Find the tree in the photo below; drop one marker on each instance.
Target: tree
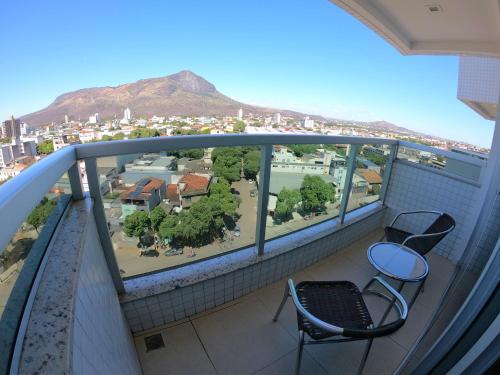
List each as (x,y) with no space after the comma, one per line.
(235,152)
(228,168)
(239,127)
(156,216)
(5,140)
(144,133)
(338,150)
(45,147)
(287,200)
(220,194)
(41,213)
(251,164)
(376,159)
(168,227)
(193,153)
(300,150)
(136,224)
(315,192)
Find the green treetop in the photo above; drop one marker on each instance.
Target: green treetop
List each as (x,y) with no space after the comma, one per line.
(136,224)
(315,193)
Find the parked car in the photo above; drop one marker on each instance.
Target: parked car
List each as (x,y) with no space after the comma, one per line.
(149,253)
(171,252)
(237,230)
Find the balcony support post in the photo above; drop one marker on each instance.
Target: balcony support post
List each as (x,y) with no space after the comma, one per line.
(102,225)
(387,172)
(75,181)
(351,166)
(263,199)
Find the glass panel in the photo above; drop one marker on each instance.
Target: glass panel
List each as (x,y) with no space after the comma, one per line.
(167,209)
(444,163)
(368,175)
(306,186)
(20,259)
(13,256)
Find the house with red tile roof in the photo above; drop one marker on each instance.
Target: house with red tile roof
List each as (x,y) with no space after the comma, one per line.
(145,195)
(192,187)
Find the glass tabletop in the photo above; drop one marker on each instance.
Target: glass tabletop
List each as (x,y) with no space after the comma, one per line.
(398,261)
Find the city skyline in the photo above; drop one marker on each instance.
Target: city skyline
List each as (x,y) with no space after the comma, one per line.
(317,69)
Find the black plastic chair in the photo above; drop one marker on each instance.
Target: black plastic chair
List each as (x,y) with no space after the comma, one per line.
(327,309)
(425,242)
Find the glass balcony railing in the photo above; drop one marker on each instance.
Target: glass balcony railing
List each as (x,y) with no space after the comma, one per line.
(166,209)
(306,186)
(466,165)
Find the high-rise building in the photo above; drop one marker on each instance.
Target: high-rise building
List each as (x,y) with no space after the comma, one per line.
(127,115)
(66,119)
(94,119)
(307,123)
(24,128)
(240,114)
(11,128)
(277,118)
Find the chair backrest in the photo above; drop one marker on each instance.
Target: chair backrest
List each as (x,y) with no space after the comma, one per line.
(443,225)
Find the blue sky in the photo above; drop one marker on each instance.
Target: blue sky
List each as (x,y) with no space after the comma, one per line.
(306,55)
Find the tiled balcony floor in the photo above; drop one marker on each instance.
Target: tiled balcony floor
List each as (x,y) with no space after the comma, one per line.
(240,337)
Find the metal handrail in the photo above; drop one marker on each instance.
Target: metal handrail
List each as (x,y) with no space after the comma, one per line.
(21,194)
(157,144)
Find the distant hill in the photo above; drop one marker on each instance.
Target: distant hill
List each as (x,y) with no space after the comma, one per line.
(183,94)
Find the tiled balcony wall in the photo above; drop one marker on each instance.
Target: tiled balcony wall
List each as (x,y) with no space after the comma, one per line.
(414,187)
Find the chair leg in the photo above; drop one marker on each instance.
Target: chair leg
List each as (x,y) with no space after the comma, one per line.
(299,354)
(365,356)
(285,297)
(369,283)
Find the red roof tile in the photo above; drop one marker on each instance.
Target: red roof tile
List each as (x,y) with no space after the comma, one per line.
(194,183)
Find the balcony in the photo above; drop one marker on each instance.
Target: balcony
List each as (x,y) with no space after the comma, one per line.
(240,337)
(80,298)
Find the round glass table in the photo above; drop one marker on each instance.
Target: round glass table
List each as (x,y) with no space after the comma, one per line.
(398,262)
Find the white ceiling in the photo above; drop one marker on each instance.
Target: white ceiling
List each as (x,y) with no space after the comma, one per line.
(460,27)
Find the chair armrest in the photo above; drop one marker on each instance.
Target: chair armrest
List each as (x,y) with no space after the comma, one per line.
(306,314)
(413,212)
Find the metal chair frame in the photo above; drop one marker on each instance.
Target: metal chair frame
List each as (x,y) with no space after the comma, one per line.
(397,301)
(416,236)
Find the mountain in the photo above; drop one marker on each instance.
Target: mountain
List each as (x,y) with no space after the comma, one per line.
(183,93)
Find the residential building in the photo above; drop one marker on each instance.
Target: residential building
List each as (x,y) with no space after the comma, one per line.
(11,128)
(240,114)
(277,118)
(145,195)
(307,123)
(94,119)
(372,177)
(192,187)
(284,160)
(149,165)
(127,115)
